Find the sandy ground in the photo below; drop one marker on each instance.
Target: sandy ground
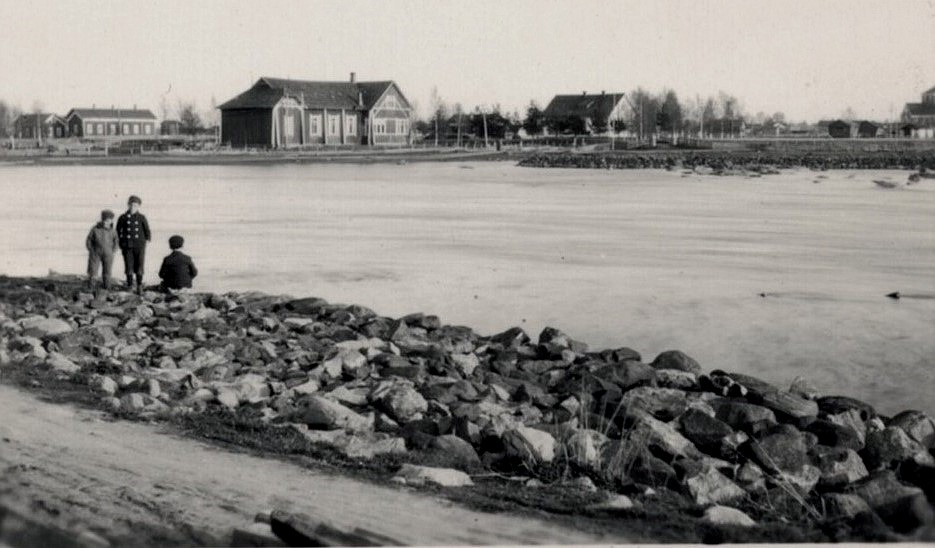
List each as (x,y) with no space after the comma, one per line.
(78,469)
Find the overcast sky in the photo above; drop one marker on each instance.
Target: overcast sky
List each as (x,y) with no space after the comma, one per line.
(810,59)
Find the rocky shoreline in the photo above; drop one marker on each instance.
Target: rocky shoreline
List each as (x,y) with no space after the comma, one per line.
(726,162)
(736,450)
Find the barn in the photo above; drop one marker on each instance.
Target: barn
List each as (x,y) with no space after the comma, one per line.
(589,113)
(281,113)
(839,129)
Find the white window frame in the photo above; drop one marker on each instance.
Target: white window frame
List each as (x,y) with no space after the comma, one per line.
(288,125)
(126,129)
(334,124)
(136,129)
(350,124)
(148,129)
(314,125)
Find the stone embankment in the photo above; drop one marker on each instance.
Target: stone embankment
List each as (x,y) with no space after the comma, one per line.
(738,449)
(735,162)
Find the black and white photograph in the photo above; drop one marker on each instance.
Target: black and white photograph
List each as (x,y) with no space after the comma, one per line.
(466,273)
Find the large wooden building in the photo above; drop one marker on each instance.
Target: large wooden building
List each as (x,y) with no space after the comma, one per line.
(40,125)
(107,122)
(595,113)
(279,113)
(919,118)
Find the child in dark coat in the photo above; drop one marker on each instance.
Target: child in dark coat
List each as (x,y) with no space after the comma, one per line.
(102,245)
(177,269)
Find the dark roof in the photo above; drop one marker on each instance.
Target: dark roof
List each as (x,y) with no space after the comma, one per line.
(111,113)
(585,106)
(920,109)
(31,118)
(266,92)
(928,91)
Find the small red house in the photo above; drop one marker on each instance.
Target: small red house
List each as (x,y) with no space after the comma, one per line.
(280,113)
(40,125)
(108,122)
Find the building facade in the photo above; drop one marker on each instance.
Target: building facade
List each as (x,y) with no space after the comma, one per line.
(919,118)
(95,122)
(39,126)
(280,113)
(593,113)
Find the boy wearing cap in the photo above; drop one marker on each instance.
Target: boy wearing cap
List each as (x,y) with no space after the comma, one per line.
(101,244)
(177,269)
(133,233)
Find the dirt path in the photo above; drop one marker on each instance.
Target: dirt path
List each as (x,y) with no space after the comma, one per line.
(120,478)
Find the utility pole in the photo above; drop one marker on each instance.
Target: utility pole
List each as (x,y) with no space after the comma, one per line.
(459,127)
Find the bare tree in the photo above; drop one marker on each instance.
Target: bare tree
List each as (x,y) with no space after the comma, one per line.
(189,120)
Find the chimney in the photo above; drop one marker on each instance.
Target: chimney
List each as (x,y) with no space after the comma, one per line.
(353,77)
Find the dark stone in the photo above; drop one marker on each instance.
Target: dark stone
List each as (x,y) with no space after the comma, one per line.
(756,388)
(704,431)
(310,306)
(742,415)
(663,403)
(512,337)
(918,425)
(790,407)
(620,355)
(835,435)
(902,507)
(781,449)
(920,475)
(452,451)
(832,405)
(889,447)
(627,374)
(676,359)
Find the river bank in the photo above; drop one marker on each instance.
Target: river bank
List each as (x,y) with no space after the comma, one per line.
(670,449)
(721,162)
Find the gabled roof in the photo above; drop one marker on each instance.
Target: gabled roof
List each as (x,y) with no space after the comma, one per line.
(111,113)
(267,91)
(920,109)
(584,105)
(928,91)
(32,118)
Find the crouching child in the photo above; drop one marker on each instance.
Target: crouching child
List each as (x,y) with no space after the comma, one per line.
(178,270)
(102,246)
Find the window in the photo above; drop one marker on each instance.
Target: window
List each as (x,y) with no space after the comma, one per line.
(288,123)
(111,129)
(136,129)
(314,125)
(126,129)
(390,102)
(89,129)
(350,125)
(334,124)
(391,126)
(100,129)
(148,129)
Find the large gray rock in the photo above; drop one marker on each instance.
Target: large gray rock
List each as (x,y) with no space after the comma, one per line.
(674,378)
(399,400)
(782,450)
(42,327)
(322,413)
(651,432)
(662,403)
(835,435)
(454,450)
(676,359)
(176,348)
(889,447)
(834,405)
(60,363)
(851,418)
(584,448)
(902,507)
(787,404)
(919,426)
(709,486)
(741,415)
(704,431)
(843,505)
(530,445)
(839,466)
(445,477)
(725,515)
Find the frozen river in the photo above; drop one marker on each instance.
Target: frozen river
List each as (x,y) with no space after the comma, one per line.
(647,259)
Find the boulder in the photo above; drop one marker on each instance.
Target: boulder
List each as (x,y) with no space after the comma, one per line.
(676,359)
(512,337)
(835,435)
(709,486)
(420,475)
(622,354)
(615,502)
(454,450)
(843,505)
(704,431)
(663,403)
(834,405)
(532,446)
(399,400)
(789,405)
(674,378)
(584,448)
(176,348)
(140,403)
(919,426)
(28,347)
(784,449)
(851,419)
(60,363)
(651,432)
(803,479)
(103,384)
(43,327)
(889,447)
(627,375)
(804,388)
(741,415)
(466,363)
(324,414)
(725,515)
(622,462)
(902,507)
(839,466)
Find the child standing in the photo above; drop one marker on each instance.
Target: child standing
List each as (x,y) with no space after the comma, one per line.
(102,244)
(133,232)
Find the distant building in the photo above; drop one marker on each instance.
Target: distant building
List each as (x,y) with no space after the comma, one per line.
(919,118)
(101,122)
(38,126)
(867,129)
(839,129)
(279,113)
(591,113)
(170,127)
